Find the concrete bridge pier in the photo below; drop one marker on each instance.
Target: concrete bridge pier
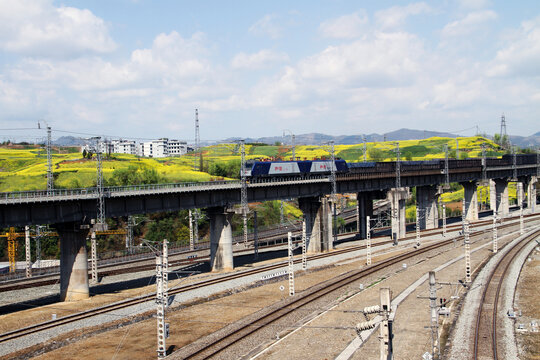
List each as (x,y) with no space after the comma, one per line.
(471,200)
(498,196)
(221,249)
(426,201)
(364,208)
(397,198)
(318,217)
(73,261)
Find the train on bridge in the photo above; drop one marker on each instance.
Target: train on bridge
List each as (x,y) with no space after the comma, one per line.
(255,169)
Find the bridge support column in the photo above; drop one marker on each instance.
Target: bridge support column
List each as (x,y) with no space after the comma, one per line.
(426,201)
(221,250)
(397,197)
(73,261)
(364,207)
(531,193)
(498,196)
(471,200)
(318,223)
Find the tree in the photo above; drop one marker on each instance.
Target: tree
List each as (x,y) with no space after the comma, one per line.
(84,153)
(376,154)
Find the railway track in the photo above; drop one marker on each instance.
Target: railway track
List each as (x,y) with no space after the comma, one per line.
(19,333)
(149,263)
(215,343)
(485,338)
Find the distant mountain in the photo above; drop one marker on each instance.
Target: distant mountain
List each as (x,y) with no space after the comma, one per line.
(317,138)
(69,141)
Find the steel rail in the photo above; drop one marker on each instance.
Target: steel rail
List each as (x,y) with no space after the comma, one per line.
(486,320)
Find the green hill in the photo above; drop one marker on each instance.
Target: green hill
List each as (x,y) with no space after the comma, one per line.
(25,167)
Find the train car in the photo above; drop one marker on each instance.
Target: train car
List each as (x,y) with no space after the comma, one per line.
(521,159)
(255,169)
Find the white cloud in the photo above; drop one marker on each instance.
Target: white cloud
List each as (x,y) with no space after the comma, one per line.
(37,28)
(396,15)
(521,56)
(345,27)
(267,26)
(469,23)
(258,60)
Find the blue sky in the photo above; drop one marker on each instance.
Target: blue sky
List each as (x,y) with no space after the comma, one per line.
(138,69)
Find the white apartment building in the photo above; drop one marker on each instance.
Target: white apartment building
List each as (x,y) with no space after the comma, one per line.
(124,147)
(156,148)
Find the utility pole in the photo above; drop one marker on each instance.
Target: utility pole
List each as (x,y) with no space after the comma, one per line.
(444,219)
(27,251)
(291,265)
(334,187)
(503,131)
(514,163)
(435,346)
(101,204)
(368,242)
(160,311)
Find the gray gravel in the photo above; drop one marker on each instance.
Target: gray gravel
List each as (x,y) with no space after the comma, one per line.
(462,338)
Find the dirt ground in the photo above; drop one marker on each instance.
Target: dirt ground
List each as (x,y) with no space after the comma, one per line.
(526,300)
(138,341)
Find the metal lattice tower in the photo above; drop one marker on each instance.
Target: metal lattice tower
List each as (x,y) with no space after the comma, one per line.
(368,242)
(12,249)
(444,219)
(129,233)
(484,162)
(503,129)
(197,134)
(417,226)
(281,215)
(304,244)
(255,237)
(101,202)
(333,171)
(165,275)
(520,199)
(50,179)
(467,253)
(435,347)
(514,164)
(160,311)
(365,150)
(27,251)
(191,244)
(446,170)
(243,194)
(94,257)
(398,166)
(197,137)
(291,265)
(38,246)
(293,140)
(538,163)
(494,232)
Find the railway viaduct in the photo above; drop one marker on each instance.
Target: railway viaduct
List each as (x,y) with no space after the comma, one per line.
(71,211)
